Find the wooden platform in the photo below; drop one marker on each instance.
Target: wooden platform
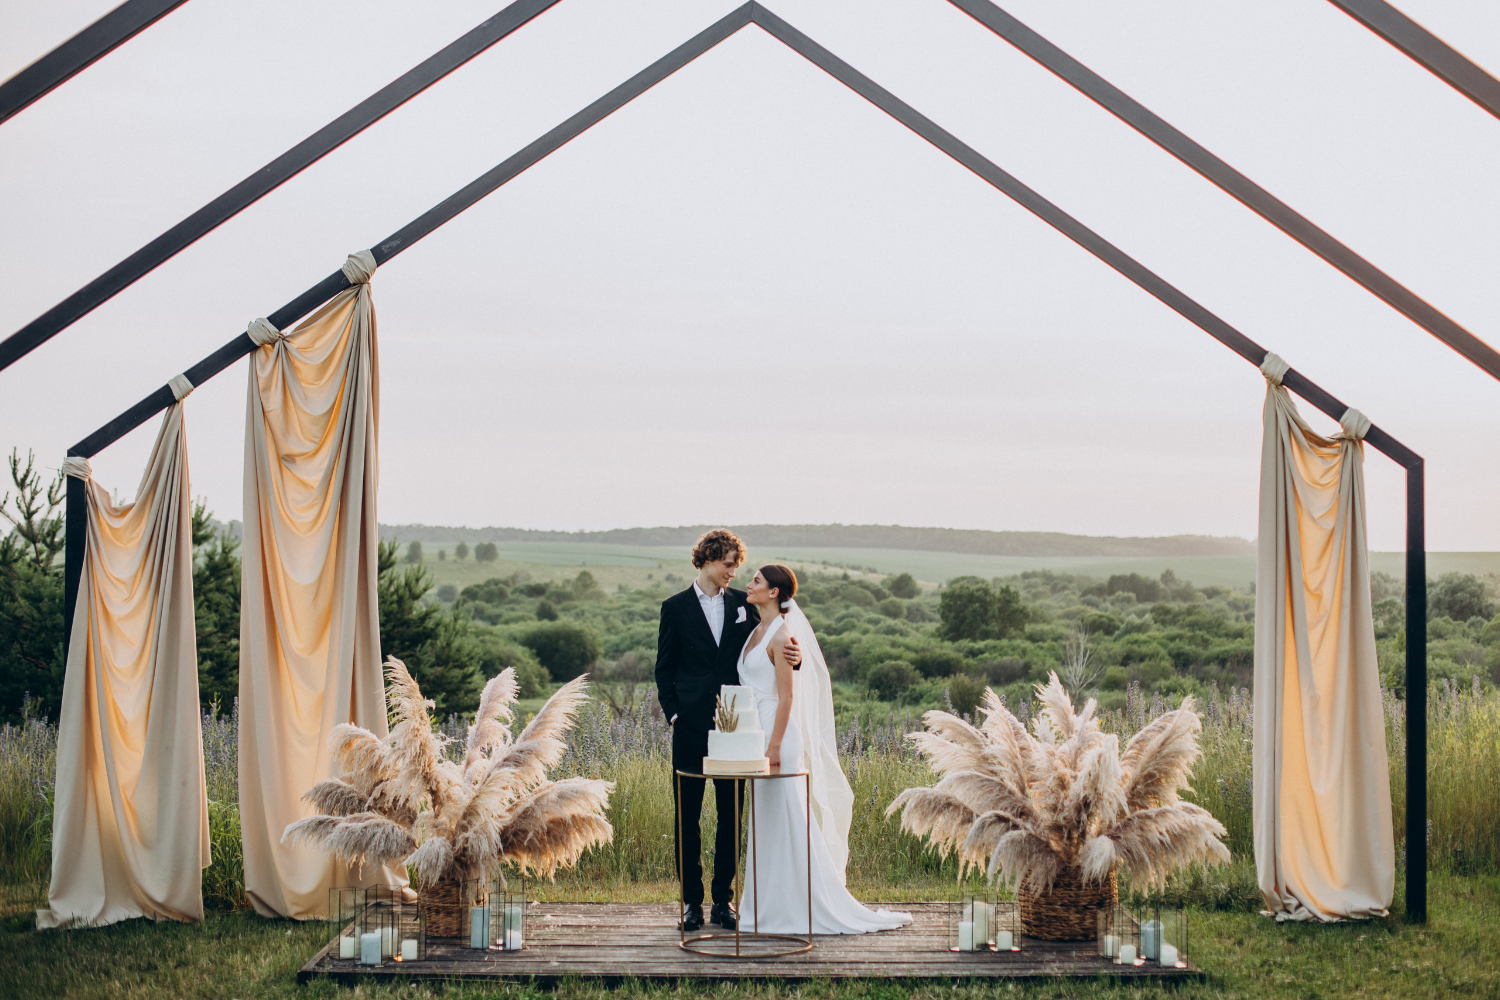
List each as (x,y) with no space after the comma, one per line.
(618,941)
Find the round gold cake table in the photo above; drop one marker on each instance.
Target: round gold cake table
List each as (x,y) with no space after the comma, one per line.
(748,944)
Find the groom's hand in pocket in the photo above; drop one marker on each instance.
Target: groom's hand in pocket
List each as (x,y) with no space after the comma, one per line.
(792,652)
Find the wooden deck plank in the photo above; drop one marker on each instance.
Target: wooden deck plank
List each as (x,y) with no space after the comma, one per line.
(617,941)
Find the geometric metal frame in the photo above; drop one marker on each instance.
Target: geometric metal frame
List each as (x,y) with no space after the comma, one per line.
(754,13)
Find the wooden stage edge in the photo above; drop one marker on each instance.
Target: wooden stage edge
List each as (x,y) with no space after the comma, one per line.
(617,942)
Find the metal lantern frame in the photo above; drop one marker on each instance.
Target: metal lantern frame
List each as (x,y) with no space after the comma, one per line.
(129,18)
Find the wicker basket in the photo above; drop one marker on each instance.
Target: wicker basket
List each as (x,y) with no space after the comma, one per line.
(444,905)
(1067,911)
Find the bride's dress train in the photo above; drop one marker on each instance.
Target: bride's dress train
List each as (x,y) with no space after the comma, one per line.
(776,860)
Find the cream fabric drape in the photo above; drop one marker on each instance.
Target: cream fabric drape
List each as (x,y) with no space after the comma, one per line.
(309,627)
(1323,841)
(130,816)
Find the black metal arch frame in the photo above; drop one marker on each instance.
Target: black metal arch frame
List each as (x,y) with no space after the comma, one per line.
(754,13)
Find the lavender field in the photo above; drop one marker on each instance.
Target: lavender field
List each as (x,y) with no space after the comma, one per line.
(632,749)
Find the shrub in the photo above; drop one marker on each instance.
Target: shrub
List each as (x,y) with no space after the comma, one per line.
(414,553)
(965,693)
(938,663)
(491,591)
(1459,596)
(1010,612)
(496,653)
(892,607)
(461,551)
(535,589)
(903,585)
(447,593)
(1006,671)
(486,552)
(565,648)
(916,611)
(890,680)
(546,612)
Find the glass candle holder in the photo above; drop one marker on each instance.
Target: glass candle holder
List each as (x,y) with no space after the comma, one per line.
(1005,926)
(411,934)
(1118,936)
(507,914)
(377,938)
(1165,938)
(971,923)
(346,918)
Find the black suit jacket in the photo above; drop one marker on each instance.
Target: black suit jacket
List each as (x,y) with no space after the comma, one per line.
(689,667)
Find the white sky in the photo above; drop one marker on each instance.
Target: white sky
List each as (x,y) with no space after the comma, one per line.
(751,297)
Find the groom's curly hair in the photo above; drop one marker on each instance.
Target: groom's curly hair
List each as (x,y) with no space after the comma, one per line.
(718,544)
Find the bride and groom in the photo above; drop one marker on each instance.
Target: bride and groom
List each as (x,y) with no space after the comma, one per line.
(710,636)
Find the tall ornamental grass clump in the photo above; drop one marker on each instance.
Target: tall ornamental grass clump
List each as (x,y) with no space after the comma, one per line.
(28,762)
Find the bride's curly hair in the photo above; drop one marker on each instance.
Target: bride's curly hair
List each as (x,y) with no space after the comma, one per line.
(782,579)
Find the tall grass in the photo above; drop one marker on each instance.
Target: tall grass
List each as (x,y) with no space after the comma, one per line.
(635,752)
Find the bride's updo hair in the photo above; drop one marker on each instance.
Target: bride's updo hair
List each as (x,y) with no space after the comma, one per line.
(782,580)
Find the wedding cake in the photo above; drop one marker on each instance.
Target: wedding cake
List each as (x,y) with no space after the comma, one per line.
(736,744)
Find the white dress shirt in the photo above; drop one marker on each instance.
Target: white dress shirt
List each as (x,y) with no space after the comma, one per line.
(713,610)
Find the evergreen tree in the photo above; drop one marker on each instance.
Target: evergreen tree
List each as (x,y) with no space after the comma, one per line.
(31,592)
(216,610)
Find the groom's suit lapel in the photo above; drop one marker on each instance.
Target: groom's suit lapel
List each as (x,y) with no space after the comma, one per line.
(693,608)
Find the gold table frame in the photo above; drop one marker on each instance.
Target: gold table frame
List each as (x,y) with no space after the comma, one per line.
(692,943)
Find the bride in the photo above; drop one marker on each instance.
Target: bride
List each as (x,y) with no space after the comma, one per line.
(796,710)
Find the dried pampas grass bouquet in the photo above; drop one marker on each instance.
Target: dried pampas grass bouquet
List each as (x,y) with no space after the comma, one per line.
(1056,811)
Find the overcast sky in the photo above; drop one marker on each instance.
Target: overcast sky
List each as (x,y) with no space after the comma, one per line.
(752,297)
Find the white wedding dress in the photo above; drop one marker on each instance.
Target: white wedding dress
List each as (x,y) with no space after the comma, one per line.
(776,860)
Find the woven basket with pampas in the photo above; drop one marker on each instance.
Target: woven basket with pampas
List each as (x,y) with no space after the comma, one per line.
(400,798)
(1056,812)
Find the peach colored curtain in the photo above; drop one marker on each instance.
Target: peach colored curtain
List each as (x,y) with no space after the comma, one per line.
(1323,841)
(309,627)
(130,815)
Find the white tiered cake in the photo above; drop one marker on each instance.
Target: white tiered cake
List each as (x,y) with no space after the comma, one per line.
(737,744)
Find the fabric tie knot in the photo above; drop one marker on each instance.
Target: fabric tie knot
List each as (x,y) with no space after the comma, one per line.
(360,267)
(1355,424)
(262,332)
(180,387)
(1274,367)
(77,467)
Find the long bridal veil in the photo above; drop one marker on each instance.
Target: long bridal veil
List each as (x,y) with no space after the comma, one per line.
(812,708)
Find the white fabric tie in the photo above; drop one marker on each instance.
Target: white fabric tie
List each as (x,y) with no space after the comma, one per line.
(1355,424)
(262,332)
(1274,368)
(180,387)
(77,467)
(360,267)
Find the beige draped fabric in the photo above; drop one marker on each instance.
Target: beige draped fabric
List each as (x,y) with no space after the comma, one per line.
(1323,840)
(309,627)
(130,815)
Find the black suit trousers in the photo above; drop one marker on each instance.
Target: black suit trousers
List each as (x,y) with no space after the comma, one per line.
(689,747)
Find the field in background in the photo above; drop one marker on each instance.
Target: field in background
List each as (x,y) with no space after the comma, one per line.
(633,564)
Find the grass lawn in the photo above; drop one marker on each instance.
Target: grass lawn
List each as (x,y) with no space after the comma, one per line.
(239,955)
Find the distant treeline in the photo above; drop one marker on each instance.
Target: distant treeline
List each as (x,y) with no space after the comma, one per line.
(851,536)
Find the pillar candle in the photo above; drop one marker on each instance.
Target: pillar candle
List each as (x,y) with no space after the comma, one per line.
(1151,939)
(1004,941)
(1111,946)
(387,942)
(1169,956)
(479,927)
(966,935)
(513,941)
(348,947)
(981,924)
(1127,954)
(369,948)
(409,950)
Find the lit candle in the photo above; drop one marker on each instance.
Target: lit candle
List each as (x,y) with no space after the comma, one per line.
(1127,954)
(409,950)
(1004,941)
(1151,939)
(1169,956)
(966,935)
(348,947)
(369,948)
(479,927)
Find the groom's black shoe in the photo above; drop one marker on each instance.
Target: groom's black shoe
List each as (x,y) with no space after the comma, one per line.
(692,918)
(723,914)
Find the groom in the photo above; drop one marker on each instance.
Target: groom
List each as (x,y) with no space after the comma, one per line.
(703,630)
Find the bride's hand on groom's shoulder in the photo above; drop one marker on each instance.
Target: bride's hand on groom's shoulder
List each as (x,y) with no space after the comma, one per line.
(792,652)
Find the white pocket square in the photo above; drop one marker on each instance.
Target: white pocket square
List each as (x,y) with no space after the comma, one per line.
(741,617)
